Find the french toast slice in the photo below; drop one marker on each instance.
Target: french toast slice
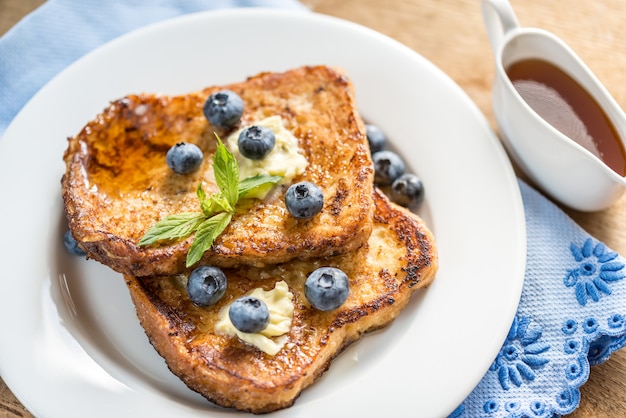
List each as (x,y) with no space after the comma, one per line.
(117,183)
(399,257)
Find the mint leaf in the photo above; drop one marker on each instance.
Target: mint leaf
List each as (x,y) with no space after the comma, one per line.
(205,204)
(200,193)
(218,203)
(226,172)
(251,183)
(217,209)
(206,233)
(173,227)
(213,204)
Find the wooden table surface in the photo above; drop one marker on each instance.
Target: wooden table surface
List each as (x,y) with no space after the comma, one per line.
(450,33)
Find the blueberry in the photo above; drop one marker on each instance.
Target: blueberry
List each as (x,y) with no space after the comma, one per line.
(223,109)
(249,314)
(376,138)
(327,288)
(407,190)
(184,158)
(304,200)
(388,166)
(72,245)
(255,142)
(206,285)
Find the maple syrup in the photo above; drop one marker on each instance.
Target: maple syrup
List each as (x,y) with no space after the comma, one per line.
(568,107)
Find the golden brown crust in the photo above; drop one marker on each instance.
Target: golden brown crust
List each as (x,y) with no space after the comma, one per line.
(117,184)
(399,258)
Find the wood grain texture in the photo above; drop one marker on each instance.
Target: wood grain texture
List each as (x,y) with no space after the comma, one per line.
(450,33)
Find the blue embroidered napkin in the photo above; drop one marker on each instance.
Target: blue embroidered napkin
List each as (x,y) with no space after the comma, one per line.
(572,310)
(571,315)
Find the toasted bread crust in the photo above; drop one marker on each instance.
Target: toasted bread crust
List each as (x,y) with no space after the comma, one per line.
(399,258)
(117,184)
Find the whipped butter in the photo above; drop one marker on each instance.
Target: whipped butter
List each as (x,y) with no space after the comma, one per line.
(279,301)
(284,160)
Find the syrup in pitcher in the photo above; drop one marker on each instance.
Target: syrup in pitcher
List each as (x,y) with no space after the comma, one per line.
(567,106)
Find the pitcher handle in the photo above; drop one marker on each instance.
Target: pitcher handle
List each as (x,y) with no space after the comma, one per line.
(499,19)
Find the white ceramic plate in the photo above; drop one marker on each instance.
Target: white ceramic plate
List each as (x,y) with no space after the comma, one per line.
(71,344)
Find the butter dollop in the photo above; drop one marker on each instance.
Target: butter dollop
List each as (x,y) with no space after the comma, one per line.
(284,160)
(271,340)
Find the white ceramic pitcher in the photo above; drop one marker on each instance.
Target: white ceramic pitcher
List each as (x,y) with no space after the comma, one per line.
(565,170)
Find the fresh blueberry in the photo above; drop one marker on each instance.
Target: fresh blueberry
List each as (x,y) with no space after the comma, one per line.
(255,142)
(407,190)
(206,285)
(327,288)
(249,314)
(72,245)
(184,158)
(223,109)
(388,166)
(375,137)
(304,200)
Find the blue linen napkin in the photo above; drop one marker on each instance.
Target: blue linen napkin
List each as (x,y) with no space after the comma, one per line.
(572,310)
(571,315)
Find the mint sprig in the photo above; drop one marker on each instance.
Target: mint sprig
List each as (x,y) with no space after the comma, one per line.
(217,209)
